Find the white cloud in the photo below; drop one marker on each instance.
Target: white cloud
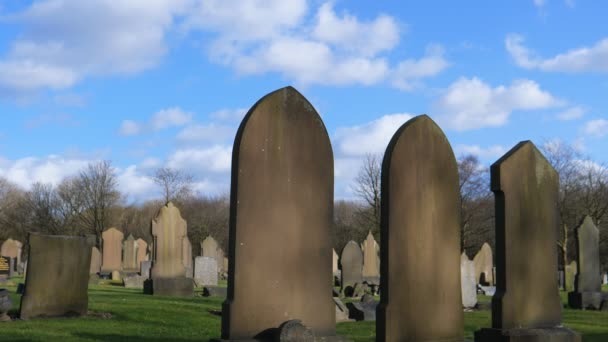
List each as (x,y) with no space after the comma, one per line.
(208,132)
(348,33)
(150,163)
(229,114)
(471,103)
(572,113)
(410,71)
(579,60)
(372,137)
(485,153)
(214,159)
(64,41)
(51,169)
(130,127)
(596,128)
(540,3)
(170,117)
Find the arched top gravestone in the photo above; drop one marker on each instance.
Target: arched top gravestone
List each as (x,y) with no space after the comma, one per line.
(169,230)
(129,261)
(371,262)
(484,264)
(588,278)
(111,250)
(142,251)
(281,208)
(12,249)
(209,247)
(420,241)
(351,262)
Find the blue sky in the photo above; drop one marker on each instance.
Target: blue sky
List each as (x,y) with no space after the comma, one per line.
(150,83)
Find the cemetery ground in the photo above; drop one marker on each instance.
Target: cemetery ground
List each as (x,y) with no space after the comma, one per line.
(120,314)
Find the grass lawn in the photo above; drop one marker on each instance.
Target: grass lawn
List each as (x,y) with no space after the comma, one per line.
(138,317)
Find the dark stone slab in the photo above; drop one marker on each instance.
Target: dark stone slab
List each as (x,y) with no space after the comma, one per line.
(558,334)
(363,311)
(420,238)
(281,206)
(20,288)
(215,291)
(526,306)
(178,287)
(58,276)
(585,300)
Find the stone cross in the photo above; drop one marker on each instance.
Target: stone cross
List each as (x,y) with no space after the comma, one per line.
(420,237)
(527,301)
(281,223)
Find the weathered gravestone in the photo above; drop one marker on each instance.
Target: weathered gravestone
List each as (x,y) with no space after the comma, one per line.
(12,249)
(281,208)
(420,237)
(142,251)
(483,265)
(209,247)
(468,282)
(205,271)
(111,250)
(352,268)
(220,260)
(371,262)
(95,261)
(605,279)
(58,276)
(145,267)
(526,306)
(587,292)
(129,262)
(334,262)
(168,273)
(571,271)
(187,256)
(5,305)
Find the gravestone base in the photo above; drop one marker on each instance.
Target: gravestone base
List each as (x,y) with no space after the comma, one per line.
(274,339)
(586,300)
(175,287)
(557,334)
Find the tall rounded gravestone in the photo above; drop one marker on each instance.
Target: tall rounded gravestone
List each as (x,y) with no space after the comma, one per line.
(281,207)
(420,238)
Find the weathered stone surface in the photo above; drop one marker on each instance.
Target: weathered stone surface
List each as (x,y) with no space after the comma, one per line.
(145,267)
(334,263)
(12,249)
(215,291)
(371,261)
(134,281)
(280,227)
(352,266)
(571,271)
(142,251)
(220,260)
(129,262)
(111,250)
(468,282)
(168,273)
(205,271)
(209,247)
(58,276)
(362,311)
(605,279)
(187,256)
(169,230)
(484,264)
(95,261)
(341,311)
(116,276)
(295,331)
(5,305)
(527,301)
(588,283)
(5,267)
(420,243)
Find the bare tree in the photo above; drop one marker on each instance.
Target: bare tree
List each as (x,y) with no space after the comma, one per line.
(43,205)
(174,184)
(367,188)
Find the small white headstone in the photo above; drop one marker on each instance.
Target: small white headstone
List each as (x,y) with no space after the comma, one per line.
(205,271)
(468,282)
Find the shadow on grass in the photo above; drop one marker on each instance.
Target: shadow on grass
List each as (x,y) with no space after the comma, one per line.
(110,337)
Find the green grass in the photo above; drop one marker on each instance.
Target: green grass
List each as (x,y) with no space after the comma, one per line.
(138,317)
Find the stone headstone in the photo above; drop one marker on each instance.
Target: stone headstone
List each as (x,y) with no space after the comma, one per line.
(295,331)
(205,271)
(144,268)
(571,270)
(95,261)
(468,282)
(281,227)
(605,279)
(352,266)
(527,301)
(209,247)
(12,249)
(5,305)
(341,311)
(111,250)
(220,260)
(187,256)
(168,271)
(134,281)
(129,262)
(58,276)
(371,261)
(215,291)
(587,284)
(116,276)
(362,311)
(483,266)
(334,263)
(420,242)
(11,267)
(142,251)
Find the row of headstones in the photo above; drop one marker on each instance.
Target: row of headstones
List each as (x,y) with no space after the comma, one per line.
(118,254)
(282,199)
